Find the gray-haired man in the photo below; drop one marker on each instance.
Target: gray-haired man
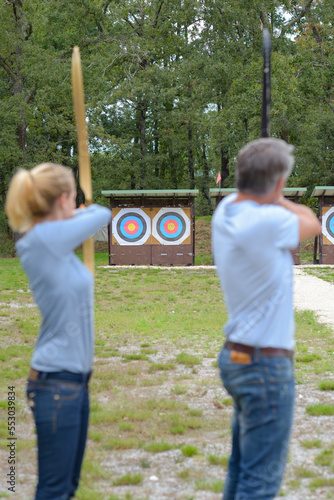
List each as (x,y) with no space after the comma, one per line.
(253,232)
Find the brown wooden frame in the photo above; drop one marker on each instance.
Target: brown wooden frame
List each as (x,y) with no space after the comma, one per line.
(152,254)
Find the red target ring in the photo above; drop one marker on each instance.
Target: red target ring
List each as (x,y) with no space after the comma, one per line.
(131,227)
(171,226)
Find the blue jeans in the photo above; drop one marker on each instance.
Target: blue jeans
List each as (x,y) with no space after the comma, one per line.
(60,406)
(263,396)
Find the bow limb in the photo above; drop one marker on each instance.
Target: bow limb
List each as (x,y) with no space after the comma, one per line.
(85,177)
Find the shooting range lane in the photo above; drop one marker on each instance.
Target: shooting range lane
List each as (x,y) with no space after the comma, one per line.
(310,293)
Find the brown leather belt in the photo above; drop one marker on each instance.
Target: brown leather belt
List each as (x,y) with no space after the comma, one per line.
(271,352)
(35,375)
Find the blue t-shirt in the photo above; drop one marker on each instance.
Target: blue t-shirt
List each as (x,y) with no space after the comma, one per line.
(63,290)
(251,246)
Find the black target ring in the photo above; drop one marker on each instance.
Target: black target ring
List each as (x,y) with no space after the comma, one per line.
(138,219)
(175,217)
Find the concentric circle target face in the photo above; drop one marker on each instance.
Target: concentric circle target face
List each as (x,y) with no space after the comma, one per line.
(131,226)
(328,225)
(171,226)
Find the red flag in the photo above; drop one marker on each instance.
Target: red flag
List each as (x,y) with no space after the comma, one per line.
(219,178)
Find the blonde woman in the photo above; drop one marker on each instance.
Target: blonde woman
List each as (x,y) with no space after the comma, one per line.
(41,202)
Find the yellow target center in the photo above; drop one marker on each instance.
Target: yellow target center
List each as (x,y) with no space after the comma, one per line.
(171,226)
(131,227)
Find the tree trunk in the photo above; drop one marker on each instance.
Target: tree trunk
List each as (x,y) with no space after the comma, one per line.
(156,148)
(15,72)
(132,181)
(191,157)
(142,109)
(224,171)
(172,165)
(206,183)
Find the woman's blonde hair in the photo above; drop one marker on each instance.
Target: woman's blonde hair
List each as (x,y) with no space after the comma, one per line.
(32,193)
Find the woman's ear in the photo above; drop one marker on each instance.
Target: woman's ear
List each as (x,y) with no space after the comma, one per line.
(61,200)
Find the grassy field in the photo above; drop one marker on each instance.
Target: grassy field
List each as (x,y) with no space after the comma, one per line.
(160,417)
(324,273)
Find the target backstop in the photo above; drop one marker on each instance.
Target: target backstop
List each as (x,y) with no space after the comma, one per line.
(324,243)
(152,227)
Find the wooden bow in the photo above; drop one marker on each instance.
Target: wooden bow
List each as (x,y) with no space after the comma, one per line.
(85,177)
(265,125)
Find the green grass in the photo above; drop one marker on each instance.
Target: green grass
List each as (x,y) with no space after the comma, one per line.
(326,385)
(155,367)
(128,479)
(134,357)
(188,359)
(325,458)
(158,447)
(324,273)
(189,450)
(155,384)
(321,482)
(320,409)
(307,358)
(303,472)
(179,390)
(313,443)
(222,461)
(215,486)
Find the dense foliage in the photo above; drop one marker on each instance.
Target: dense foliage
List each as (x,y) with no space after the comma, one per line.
(173,88)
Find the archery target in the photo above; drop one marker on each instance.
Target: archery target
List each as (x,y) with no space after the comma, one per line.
(171,226)
(131,226)
(328,225)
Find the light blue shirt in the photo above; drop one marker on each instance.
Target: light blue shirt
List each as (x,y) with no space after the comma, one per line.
(63,290)
(251,248)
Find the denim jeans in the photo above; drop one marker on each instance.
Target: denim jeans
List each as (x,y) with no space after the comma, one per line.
(263,396)
(60,407)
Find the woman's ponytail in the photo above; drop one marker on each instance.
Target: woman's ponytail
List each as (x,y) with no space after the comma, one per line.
(33,193)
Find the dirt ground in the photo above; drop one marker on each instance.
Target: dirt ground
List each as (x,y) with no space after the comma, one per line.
(162,476)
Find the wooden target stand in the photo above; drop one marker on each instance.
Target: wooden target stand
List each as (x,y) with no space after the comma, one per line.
(152,227)
(324,243)
(293,194)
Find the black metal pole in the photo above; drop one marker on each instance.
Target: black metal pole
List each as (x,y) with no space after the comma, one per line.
(265,125)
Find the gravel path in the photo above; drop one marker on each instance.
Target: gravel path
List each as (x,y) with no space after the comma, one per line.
(314,294)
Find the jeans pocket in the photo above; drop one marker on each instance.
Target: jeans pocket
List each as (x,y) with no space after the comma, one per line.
(68,398)
(67,391)
(248,390)
(282,370)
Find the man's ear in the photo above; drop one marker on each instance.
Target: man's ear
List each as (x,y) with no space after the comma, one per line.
(280,185)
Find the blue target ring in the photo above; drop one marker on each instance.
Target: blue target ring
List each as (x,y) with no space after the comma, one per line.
(131,227)
(171,226)
(330,224)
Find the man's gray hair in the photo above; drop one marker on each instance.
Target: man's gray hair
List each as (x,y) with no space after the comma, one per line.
(261,163)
